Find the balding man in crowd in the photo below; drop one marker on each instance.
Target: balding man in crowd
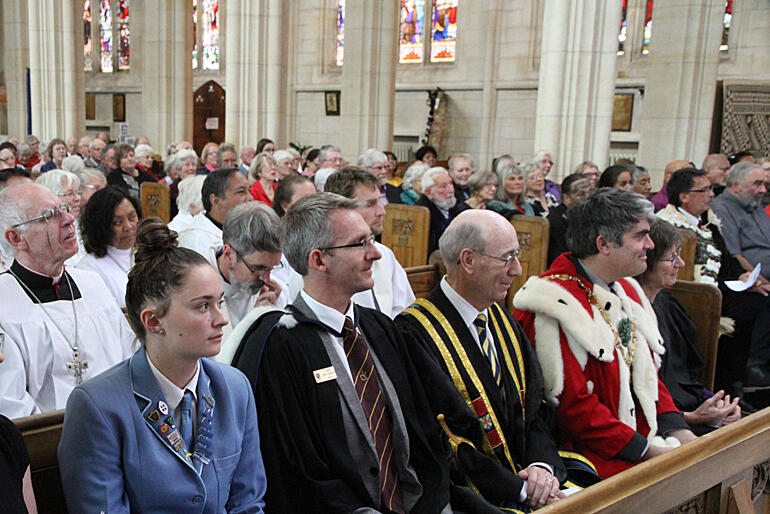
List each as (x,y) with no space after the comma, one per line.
(391,293)
(660,199)
(717,166)
(438,196)
(72,146)
(223,189)
(247,155)
(95,149)
(84,147)
(61,327)
(468,332)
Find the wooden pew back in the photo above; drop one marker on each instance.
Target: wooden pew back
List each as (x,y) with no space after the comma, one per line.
(423,279)
(405,231)
(533,233)
(689,244)
(156,201)
(704,304)
(704,475)
(42,433)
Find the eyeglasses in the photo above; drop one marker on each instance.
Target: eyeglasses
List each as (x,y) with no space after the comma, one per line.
(68,194)
(673,258)
(505,260)
(704,190)
(364,243)
(47,215)
(258,269)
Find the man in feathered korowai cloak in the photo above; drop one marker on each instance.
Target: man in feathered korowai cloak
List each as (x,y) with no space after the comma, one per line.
(597,339)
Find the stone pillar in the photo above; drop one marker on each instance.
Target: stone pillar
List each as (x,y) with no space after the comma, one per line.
(680,83)
(255,71)
(56,68)
(167,103)
(15,63)
(577,82)
(368,76)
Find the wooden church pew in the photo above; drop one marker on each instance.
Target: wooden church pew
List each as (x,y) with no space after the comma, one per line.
(405,231)
(423,279)
(689,244)
(42,433)
(725,471)
(156,201)
(533,233)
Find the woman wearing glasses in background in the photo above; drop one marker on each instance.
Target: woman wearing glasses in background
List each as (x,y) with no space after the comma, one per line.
(167,430)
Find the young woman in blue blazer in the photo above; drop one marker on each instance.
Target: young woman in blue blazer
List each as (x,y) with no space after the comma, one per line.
(166,430)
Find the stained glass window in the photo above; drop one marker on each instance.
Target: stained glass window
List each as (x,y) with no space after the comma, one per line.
(210,34)
(647,28)
(105,35)
(87,48)
(411,27)
(443,31)
(195,34)
(340,31)
(124,36)
(726,21)
(623,29)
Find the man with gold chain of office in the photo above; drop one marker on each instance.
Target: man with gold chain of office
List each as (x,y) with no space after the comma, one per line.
(500,433)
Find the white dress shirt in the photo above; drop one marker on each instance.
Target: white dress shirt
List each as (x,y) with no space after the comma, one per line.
(333,319)
(173,394)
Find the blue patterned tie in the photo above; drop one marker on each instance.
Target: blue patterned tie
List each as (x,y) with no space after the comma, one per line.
(486,346)
(185,419)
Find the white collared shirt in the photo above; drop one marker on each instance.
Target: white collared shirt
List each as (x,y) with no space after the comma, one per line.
(692,220)
(467,312)
(333,319)
(174,394)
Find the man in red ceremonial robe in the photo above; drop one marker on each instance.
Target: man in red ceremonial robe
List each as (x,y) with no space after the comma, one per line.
(597,340)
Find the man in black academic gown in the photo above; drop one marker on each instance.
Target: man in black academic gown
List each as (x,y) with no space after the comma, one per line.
(344,422)
(482,348)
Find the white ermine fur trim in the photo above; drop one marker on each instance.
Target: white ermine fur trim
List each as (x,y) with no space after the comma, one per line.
(287,321)
(555,308)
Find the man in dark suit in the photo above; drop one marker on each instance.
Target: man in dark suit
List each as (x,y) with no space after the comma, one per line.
(337,434)
(438,196)
(481,347)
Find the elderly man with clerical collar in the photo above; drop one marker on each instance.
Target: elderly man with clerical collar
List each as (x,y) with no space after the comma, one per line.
(61,327)
(513,461)
(327,369)
(250,252)
(597,338)
(391,293)
(439,197)
(223,189)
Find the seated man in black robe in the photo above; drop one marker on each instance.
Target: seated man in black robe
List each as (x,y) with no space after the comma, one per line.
(483,349)
(573,188)
(344,421)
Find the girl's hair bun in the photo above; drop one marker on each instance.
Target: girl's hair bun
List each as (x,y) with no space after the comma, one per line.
(154,240)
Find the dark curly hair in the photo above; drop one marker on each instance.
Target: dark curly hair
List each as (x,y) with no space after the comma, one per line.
(96,219)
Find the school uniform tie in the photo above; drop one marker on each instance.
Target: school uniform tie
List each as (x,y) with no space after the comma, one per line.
(370,395)
(185,419)
(486,346)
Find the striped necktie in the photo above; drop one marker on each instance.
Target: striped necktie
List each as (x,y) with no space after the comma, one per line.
(370,396)
(486,346)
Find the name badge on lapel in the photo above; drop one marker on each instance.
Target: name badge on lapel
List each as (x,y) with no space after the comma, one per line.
(324,375)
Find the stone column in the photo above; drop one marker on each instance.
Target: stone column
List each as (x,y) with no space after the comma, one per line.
(577,82)
(167,103)
(368,76)
(56,77)
(15,63)
(680,83)
(255,71)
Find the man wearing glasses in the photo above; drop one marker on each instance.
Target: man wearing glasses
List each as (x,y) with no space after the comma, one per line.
(62,326)
(250,252)
(595,334)
(469,333)
(349,428)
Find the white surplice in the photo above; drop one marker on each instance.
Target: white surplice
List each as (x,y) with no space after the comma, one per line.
(34,377)
(202,236)
(113,268)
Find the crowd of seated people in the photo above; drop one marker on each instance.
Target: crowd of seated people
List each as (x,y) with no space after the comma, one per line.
(267,350)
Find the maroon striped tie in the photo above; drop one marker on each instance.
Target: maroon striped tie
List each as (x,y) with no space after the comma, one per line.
(370,396)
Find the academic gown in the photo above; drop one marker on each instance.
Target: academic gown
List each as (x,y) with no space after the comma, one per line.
(505,437)
(306,442)
(34,377)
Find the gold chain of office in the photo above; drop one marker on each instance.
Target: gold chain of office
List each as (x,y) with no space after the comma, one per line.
(628,356)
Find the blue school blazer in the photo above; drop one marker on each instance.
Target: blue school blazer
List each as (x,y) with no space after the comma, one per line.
(120,452)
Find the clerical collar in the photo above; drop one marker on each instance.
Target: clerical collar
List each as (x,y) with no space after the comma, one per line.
(332,318)
(212,220)
(47,289)
(583,270)
(692,220)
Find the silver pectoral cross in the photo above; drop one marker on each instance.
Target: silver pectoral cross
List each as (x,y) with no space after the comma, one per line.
(77,366)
